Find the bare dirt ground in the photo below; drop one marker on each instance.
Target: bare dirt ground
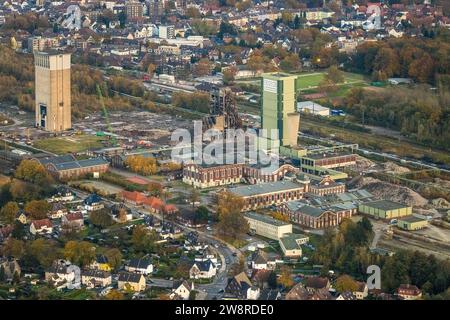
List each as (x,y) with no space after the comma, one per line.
(385,190)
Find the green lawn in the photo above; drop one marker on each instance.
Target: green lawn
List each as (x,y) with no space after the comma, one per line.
(62,145)
(312,80)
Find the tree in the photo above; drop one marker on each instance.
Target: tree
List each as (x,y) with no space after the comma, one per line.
(151,69)
(285,278)
(16,278)
(37,209)
(101,218)
(9,211)
(18,230)
(232,224)
(155,189)
(202,68)
(142,165)
(272,280)
(114,295)
(80,253)
(13,248)
(114,257)
(202,214)
(122,216)
(2,274)
(41,252)
(290,63)
(280,216)
(34,172)
(229,75)
(334,75)
(194,197)
(142,239)
(346,283)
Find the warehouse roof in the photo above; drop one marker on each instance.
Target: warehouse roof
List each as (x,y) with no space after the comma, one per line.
(264,188)
(266,219)
(411,219)
(386,205)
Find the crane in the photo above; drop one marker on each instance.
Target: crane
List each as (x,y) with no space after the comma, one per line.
(105,112)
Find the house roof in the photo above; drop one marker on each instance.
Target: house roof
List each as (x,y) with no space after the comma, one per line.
(130,277)
(134,196)
(204,266)
(316,282)
(260,257)
(96,273)
(141,263)
(92,198)
(38,224)
(74,216)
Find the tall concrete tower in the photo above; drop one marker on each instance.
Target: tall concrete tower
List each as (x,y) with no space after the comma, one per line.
(278,112)
(53,100)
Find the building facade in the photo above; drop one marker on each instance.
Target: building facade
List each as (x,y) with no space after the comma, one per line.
(385,209)
(278,112)
(267,194)
(52,92)
(267,226)
(201,176)
(316,217)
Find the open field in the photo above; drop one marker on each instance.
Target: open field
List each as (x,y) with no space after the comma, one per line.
(100,187)
(72,144)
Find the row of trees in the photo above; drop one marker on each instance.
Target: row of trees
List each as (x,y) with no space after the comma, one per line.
(418,113)
(418,58)
(347,251)
(193,101)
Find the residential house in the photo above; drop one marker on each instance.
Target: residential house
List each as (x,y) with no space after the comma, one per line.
(317,284)
(270,294)
(347,295)
(96,278)
(362,292)
(41,226)
(300,292)
(260,260)
(59,274)
(142,265)
(57,210)
(93,203)
(181,290)
(131,281)
(202,270)
(62,194)
(101,263)
(240,287)
(73,221)
(409,292)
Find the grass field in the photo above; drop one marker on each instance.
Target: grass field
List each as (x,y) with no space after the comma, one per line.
(62,145)
(312,80)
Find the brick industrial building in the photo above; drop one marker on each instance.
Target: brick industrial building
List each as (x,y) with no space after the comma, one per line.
(203,176)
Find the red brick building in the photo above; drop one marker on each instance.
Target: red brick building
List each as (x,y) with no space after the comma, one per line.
(206,176)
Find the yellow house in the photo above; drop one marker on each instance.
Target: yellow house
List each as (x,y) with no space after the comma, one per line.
(131,281)
(101,263)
